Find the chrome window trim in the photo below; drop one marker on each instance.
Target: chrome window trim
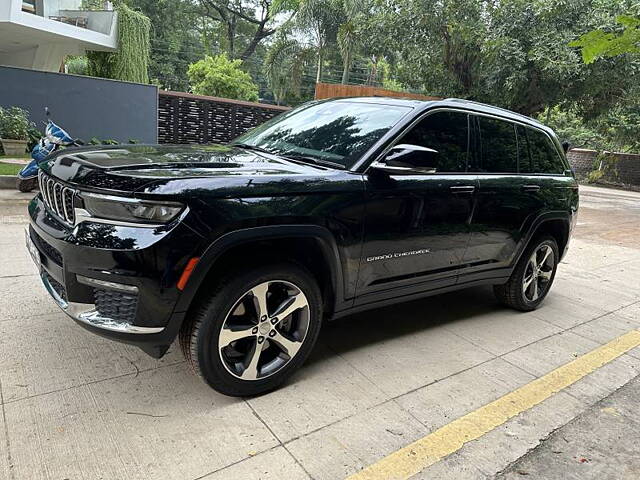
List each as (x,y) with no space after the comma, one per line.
(433,110)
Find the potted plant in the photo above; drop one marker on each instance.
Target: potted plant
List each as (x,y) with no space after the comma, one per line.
(14,130)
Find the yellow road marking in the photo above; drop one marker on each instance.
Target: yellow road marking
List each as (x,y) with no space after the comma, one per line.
(428,450)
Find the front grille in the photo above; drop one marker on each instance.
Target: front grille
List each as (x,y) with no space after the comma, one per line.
(57,197)
(115,305)
(47,249)
(57,286)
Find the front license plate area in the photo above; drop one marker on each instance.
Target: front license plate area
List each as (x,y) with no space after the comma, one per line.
(33,251)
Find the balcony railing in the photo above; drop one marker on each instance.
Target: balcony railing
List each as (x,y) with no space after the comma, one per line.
(95,15)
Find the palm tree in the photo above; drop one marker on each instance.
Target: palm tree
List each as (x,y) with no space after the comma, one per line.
(349,34)
(320,18)
(284,66)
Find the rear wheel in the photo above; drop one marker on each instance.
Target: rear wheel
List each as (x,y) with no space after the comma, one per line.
(254,330)
(533,276)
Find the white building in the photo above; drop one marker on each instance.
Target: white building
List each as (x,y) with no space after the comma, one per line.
(38,34)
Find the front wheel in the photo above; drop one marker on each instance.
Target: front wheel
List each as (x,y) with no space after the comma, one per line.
(533,276)
(254,330)
(26,184)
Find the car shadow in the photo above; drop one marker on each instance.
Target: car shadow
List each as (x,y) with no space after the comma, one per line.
(378,325)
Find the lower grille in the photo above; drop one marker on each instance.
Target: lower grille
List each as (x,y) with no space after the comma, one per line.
(57,286)
(115,305)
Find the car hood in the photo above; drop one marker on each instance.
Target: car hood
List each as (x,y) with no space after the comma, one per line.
(173,169)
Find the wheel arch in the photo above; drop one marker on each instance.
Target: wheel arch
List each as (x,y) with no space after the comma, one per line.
(555,224)
(276,243)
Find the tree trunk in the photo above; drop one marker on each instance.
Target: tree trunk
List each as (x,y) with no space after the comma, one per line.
(346,69)
(319,69)
(260,35)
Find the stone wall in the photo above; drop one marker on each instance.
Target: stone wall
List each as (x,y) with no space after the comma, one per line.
(616,168)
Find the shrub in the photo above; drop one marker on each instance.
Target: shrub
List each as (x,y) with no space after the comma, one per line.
(14,123)
(220,77)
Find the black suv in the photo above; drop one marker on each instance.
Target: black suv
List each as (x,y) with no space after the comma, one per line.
(242,251)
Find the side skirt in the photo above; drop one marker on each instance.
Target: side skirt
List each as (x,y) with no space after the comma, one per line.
(497,277)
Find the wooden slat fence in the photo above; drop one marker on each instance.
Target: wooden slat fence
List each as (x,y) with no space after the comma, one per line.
(332,90)
(188,118)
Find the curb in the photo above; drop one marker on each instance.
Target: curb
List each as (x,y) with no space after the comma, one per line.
(8,181)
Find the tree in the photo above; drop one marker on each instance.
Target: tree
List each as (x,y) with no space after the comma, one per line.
(600,43)
(320,19)
(176,40)
(221,77)
(350,33)
(284,66)
(130,62)
(252,22)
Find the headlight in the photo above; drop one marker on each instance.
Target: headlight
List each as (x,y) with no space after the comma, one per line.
(129,209)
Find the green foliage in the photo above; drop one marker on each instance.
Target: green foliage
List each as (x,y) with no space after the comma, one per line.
(600,43)
(605,167)
(33,136)
(175,40)
(218,76)
(570,127)
(284,66)
(130,62)
(77,65)
(14,123)
(594,175)
(615,131)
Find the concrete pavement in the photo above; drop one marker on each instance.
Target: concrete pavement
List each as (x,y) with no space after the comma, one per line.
(77,406)
(599,443)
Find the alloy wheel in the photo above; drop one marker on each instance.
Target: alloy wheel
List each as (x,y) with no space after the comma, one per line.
(264,330)
(538,272)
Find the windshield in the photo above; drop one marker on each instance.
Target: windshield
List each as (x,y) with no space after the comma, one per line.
(336,132)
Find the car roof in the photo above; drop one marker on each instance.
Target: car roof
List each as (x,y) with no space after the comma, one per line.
(457,103)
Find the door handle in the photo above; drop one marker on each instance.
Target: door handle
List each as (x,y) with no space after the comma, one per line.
(462,189)
(530,188)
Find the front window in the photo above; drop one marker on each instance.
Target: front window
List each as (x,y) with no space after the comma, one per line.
(332,132)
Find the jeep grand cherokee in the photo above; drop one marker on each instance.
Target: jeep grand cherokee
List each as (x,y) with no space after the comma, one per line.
(242,251)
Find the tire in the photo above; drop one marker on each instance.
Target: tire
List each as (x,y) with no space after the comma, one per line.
(26,185)
(513,293)
(221,340)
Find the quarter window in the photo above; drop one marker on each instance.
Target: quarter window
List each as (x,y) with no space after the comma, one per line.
(448,134)
(498,147)
(543,156)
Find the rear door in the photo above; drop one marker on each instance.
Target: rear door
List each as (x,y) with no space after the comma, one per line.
(506,199)
(519,172)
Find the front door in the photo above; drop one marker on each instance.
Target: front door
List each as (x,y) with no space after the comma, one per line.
(417,224)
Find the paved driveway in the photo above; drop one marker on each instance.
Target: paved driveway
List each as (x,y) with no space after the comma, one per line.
(79,407)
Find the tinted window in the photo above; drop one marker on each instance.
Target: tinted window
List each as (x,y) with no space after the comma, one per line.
(338,131)
(445,132)
(498,146)
(544,157)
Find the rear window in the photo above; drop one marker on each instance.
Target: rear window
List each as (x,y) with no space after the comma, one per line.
(497,147)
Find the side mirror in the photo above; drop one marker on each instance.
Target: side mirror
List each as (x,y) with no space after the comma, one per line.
(566,146)
(408,159)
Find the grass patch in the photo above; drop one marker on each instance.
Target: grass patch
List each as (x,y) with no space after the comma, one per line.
(24,155)
(10,168)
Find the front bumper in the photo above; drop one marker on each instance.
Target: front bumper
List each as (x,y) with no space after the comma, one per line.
(117,281)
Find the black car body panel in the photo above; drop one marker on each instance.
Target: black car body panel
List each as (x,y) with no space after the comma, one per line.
(382,237)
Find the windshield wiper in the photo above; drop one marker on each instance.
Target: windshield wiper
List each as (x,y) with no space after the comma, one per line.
(300,158)
(255,148)
(315,161)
